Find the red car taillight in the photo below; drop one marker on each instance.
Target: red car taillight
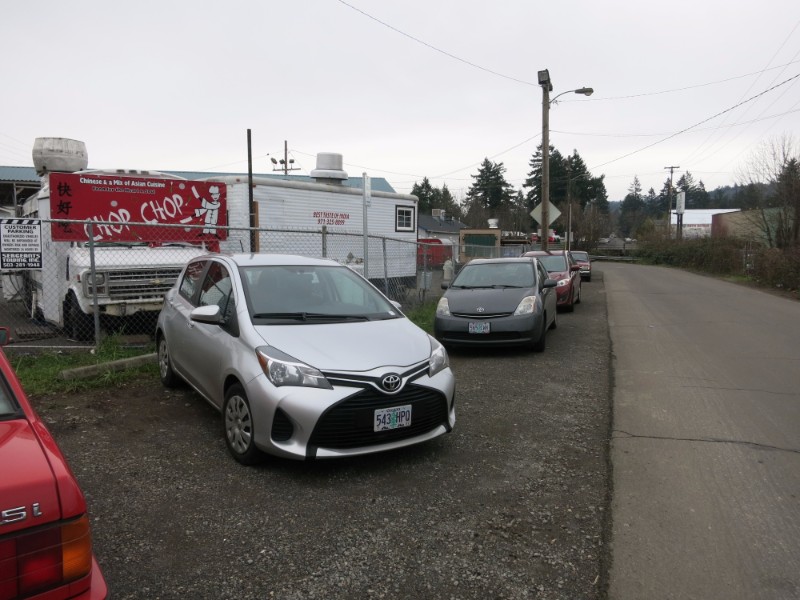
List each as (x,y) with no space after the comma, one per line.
(44,559)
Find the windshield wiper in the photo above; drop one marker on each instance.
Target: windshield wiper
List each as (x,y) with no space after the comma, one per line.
(308,316)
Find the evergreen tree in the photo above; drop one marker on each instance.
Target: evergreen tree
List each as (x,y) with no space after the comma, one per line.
(696,194)
(565,172)
(489,196)
(431,197)
(632,213)
(425,192)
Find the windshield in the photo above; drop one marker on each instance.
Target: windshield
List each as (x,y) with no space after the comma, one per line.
(310,294)
(584,256)
(553,263)
(488,275)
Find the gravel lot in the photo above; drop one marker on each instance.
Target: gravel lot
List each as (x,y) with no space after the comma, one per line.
(513,504)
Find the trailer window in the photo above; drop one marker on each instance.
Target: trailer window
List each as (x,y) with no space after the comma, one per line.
(404,218)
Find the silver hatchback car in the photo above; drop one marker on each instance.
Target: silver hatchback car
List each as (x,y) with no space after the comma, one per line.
(304,358)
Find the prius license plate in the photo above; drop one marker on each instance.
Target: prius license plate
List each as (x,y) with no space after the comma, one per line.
(392,418)
(479,327)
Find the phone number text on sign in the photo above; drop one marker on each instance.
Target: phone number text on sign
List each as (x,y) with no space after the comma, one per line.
(325,217)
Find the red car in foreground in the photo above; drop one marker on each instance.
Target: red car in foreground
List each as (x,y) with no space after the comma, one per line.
(45,543)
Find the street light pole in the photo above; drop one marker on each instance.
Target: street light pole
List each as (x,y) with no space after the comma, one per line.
(547,87)
(544,237)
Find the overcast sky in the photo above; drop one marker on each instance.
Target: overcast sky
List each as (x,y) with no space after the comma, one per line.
(404,90)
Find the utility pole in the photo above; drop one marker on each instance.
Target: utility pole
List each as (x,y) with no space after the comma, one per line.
(669,203)
(569,204)
(286,163)
(545,224)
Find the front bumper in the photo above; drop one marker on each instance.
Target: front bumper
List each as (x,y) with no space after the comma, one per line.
(304,423)
(504,331)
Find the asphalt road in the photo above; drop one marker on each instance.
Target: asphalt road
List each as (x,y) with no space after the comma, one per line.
(511,505)
(706,438)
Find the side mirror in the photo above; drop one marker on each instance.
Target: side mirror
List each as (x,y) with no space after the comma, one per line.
(575,268)
(210,314)
(550,283)
(445,285)
(5,336)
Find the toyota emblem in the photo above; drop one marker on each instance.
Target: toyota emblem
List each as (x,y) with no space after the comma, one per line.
(391,382)
(481,309)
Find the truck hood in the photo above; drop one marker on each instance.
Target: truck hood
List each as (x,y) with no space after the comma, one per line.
(359,346)
(27,479)
(127,257)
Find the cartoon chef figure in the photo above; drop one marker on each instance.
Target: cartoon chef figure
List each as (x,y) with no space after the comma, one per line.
(210,208)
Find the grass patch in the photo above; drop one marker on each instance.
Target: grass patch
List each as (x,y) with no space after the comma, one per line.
(39,373)
(423,315)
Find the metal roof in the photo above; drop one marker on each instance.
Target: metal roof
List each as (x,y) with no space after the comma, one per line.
(433,224)
(28,175)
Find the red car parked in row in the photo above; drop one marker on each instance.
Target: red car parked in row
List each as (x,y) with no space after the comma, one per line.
(562,267)
(45,543)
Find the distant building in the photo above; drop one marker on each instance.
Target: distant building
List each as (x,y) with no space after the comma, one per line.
(697,222)
(757,225)
(439,225)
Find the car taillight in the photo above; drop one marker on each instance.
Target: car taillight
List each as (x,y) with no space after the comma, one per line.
(44,559)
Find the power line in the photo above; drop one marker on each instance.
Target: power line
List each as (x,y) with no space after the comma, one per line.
(434,48)
(669,137)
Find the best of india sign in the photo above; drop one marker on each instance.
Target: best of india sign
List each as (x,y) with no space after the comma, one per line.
(130,209)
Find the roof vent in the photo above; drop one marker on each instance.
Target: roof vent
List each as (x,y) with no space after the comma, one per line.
(59,154)
(329,168)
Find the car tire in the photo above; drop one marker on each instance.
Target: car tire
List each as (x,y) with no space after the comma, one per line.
(571,306)
(78,325)
(540,344)
(169,378)
(239,428)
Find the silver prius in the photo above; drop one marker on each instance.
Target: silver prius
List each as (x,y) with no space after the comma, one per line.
(498,302)
(303,357)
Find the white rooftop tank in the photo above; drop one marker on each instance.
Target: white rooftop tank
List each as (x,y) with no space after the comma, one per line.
(59,154)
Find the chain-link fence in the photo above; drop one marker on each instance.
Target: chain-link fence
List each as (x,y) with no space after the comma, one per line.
(73,294)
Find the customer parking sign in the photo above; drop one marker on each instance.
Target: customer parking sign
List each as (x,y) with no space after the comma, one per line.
(20,244)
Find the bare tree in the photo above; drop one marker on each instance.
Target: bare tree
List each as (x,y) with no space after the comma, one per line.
(773,175)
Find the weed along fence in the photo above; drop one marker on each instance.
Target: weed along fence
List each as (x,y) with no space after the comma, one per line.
(110,278)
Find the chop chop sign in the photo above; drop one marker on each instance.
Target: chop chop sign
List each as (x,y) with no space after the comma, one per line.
(130,209)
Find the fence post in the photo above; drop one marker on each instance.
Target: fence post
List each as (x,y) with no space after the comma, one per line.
(324,241)
(96,310)
(385,269)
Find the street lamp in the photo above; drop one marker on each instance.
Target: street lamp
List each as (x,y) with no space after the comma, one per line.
(547,87)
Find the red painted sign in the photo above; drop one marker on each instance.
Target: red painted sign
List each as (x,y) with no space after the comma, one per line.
(118,205)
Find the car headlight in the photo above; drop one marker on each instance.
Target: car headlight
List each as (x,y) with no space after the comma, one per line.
(563,282)
(439,359)
(527,306)
(443,308)
(282,369)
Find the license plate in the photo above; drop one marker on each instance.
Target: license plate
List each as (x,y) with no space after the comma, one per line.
(479,327)
(392,418)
